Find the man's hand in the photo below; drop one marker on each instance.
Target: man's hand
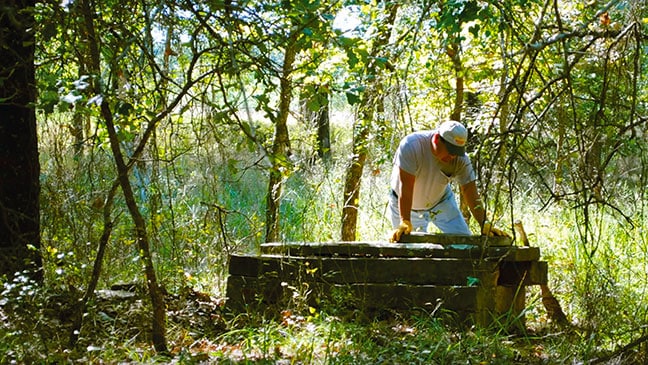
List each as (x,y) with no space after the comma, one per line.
(404,227)
(489,230)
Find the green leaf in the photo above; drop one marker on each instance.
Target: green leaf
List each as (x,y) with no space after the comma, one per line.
(352,58)
(352,98)
(48,100)
(124,108)
(232,166)
(49,31)
(381,61)
(474,30)
(313,104)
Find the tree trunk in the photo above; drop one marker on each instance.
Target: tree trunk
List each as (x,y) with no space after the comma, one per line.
(324,130)
(354,173)
(324,133)
(143,243)
(80,123)
(77,316)
(19,165)
(320,119)
(280,145)
(353,179)
(315,110)
(454,52)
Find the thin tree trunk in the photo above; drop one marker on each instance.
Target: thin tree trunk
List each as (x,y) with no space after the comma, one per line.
(143,243)
(79,119)
(19,166)
(323,127)
(353,179)
(454,52)
(77,317)
(280,145)
(318,117)
(155,292)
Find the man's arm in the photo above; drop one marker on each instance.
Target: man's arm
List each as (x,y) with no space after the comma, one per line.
(404,205)
(472,198)
(405,195)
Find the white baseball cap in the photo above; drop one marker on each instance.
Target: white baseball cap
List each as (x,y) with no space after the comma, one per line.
(454,134)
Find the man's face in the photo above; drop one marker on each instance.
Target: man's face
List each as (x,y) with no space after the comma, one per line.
(442,152)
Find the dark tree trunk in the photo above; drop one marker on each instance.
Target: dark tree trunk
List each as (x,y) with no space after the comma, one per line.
(143,242)
(19,165)
(454,52)
(324,129)
(315,110)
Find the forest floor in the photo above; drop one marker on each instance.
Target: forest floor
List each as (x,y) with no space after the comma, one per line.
(116,329)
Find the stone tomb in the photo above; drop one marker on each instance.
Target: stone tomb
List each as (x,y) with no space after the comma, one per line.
(479,279)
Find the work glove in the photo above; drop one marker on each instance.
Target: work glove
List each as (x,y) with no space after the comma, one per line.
(404,227)
(489,230)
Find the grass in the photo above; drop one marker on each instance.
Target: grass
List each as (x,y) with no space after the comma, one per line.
(323,339)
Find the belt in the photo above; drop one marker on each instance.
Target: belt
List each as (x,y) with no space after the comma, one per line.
(395,195)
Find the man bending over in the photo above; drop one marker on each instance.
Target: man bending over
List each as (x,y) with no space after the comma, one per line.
(424,165)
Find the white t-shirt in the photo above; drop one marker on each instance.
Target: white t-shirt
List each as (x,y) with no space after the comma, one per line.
(414,156)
